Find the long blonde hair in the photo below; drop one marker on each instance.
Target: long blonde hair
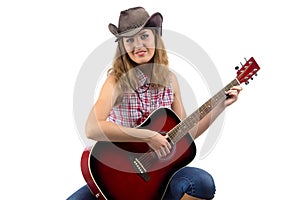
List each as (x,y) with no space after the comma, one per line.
(122,66)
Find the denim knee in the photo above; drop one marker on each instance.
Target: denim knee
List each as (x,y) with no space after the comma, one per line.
(203,184)
(193,181)
(82,194)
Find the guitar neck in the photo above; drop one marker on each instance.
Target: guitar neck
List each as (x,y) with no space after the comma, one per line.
(188,123)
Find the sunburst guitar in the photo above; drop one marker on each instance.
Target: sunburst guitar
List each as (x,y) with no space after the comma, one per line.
(131,170)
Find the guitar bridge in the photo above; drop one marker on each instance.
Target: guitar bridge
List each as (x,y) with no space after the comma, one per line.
(140,169)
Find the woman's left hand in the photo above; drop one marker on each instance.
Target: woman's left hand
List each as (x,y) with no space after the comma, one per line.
(232,95)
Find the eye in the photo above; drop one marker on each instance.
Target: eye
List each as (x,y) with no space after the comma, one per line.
(144,36)
(129,40)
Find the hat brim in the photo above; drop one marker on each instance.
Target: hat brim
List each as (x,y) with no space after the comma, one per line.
(154,21)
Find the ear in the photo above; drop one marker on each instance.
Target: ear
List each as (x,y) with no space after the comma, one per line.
(113,29)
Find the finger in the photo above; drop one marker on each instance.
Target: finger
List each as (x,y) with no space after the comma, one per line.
(234,88)
(167,149)
(168,142)
(163,151)
(169,145)
(237,87)
(232,92)
(158,153)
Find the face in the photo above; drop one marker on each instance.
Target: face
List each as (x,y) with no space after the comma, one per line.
(140,47)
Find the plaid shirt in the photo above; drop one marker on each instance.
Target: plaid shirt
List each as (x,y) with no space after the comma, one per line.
(134,107)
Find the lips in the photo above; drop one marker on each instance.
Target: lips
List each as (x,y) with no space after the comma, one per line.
(140,53)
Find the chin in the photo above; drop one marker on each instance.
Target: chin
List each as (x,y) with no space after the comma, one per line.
(142,61)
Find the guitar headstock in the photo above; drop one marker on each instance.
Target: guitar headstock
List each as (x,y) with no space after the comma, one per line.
(247,71)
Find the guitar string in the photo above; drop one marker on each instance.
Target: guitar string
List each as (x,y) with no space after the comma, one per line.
(147,158)
(202,111)
(179,131)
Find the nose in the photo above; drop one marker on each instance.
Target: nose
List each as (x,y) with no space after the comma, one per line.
(138,43)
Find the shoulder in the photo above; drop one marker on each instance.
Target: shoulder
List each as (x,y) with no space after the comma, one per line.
(110,88)
(174,82)
(111,83)
(177,105)
(110,79)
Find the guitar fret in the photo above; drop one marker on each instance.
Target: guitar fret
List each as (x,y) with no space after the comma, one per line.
(184,126)
(98,163)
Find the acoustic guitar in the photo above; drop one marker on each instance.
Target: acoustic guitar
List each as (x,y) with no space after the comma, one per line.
(131,170)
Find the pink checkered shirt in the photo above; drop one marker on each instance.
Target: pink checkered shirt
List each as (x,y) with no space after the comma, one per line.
(135,108)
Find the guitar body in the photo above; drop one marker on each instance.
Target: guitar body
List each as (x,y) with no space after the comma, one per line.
(131,170)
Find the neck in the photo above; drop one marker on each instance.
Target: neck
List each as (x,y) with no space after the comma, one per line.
(147,69)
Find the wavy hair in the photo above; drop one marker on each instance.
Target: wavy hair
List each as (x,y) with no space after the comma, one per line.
(122,66)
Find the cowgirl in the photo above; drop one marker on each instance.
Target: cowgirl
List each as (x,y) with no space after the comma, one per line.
(138,83)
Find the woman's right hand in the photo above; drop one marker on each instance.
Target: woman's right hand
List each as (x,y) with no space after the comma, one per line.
(159,144)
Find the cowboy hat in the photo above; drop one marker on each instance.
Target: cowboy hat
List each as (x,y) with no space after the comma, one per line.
(133,20)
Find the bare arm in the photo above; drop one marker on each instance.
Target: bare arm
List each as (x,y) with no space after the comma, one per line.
(97,128)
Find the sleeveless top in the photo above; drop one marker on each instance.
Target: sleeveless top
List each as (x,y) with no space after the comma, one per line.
(136,106)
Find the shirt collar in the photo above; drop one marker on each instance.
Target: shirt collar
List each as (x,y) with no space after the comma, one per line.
(141,77)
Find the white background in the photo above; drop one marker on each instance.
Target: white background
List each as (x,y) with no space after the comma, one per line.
(43,45)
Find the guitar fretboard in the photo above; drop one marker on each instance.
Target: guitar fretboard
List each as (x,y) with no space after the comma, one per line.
(188,123)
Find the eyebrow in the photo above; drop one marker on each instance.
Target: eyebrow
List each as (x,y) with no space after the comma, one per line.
(142,32)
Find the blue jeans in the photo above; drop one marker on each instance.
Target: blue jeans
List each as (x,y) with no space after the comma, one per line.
(193,181)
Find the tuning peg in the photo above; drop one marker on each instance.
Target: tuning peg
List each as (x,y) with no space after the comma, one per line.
(246,59)
(237,67)
(247,82)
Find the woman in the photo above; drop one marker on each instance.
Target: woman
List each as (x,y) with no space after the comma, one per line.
(138,83)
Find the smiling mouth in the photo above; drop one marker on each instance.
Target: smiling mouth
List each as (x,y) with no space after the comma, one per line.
(140,53)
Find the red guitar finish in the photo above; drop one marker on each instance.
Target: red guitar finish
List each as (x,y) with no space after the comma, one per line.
(131,170)
(115,166)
